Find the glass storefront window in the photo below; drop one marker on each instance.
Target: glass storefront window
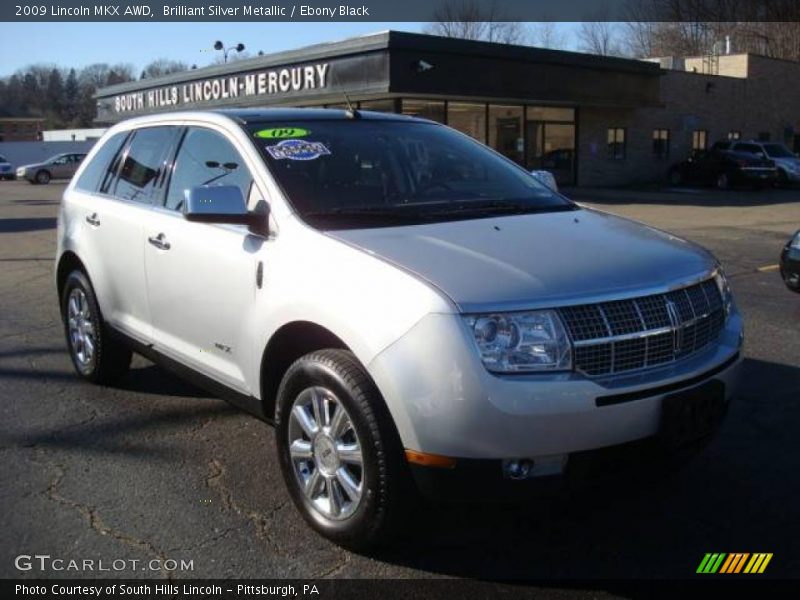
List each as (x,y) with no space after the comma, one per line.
(505,131)
(468,118)
(425,109)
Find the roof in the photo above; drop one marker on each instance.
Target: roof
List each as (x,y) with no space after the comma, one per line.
(256,115)
(394,40)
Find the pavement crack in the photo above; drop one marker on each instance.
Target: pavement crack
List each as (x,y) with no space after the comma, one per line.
(259,520)
(95,522)
(335,569)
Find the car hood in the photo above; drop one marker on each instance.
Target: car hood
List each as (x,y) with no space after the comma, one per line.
(537,260)
(31,166)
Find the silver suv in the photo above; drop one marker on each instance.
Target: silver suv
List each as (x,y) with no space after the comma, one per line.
(408,307)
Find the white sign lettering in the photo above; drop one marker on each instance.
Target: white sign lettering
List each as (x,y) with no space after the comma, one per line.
(264,83)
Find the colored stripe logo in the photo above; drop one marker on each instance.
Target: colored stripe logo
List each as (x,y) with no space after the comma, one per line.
(736,562)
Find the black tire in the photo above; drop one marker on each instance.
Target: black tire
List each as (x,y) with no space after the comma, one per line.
(42,177)
(723,181)
(675,177)
(111,357)
(387,491)
(783,179)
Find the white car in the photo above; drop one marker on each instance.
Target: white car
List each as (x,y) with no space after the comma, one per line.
(408,307)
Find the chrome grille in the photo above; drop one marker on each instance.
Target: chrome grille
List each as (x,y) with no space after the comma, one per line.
(627,335)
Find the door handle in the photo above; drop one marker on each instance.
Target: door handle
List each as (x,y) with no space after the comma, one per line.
(93,220)
(159,241)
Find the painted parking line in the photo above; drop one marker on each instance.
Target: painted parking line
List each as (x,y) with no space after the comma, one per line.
(766,268)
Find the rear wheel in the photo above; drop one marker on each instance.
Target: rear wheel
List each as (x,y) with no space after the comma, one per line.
(675,177)
(96,355)
(723,181)
(340,454)
(43,177)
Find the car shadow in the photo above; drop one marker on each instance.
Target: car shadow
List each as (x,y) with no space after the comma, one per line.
(27,224)
(738,494)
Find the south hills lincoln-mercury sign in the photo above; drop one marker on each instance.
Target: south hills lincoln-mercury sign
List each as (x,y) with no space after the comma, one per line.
(268,82)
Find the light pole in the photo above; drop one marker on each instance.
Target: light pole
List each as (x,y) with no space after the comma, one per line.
(218,45)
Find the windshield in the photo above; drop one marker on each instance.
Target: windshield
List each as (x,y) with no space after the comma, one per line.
(371,173)
(778,151)
(2,159)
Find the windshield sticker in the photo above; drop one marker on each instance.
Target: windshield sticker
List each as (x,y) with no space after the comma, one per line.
(280,133)
(297,150)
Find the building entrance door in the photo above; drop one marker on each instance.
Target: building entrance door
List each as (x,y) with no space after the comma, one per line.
(551,146)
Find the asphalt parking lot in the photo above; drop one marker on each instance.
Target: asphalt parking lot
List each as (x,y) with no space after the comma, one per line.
(157,469)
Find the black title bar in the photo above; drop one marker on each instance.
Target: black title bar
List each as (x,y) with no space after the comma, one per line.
(399,11)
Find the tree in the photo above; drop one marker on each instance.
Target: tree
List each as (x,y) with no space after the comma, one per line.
(546,35)
(476,20)
(600,37)
(699,27)
(163,66)
(71,97)
(54,94)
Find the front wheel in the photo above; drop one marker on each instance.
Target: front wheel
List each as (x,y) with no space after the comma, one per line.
(339,452)
(675,177)
(42,177)
(723,181)
(96,355)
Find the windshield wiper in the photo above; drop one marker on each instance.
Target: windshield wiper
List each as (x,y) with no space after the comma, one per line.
(498,207)
(400,213)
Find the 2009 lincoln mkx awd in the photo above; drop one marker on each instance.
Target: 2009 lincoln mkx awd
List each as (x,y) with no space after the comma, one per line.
(400,300)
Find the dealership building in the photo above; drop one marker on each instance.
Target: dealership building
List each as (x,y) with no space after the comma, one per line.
(591,120)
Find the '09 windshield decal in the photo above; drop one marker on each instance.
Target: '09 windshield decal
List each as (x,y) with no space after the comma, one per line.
(280,133)
(297,150)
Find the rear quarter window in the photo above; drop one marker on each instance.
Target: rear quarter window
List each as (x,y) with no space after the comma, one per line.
(95,171)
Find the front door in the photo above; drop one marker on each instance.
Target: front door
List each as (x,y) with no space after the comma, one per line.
(202,277)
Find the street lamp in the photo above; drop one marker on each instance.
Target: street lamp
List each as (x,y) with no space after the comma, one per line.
(218,45)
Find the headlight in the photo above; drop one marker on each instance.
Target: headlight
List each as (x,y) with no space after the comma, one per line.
(523,341)
(724,290)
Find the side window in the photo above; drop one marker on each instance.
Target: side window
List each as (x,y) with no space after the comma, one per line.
(143,164)
(94,172)
(205,157)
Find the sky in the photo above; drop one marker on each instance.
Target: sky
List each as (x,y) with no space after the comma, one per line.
(79,44)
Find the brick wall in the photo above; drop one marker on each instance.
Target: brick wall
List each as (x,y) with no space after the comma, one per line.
(767,101)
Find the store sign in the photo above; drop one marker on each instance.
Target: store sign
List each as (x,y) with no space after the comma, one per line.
(270,82)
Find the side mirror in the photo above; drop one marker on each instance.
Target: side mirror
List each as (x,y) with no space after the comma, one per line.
(221,204)
(545,177)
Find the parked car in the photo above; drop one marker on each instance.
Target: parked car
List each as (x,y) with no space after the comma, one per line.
(6,171)
(790,263)
(408,307)
(786,161)
(724,169)
(60,166)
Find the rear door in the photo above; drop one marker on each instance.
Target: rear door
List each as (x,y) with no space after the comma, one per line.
(202,277)
(113,218)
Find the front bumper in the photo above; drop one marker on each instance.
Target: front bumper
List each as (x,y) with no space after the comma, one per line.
(444,401)
(790,268)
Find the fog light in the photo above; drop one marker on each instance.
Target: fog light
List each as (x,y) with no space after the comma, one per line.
(517,468)
(539,466)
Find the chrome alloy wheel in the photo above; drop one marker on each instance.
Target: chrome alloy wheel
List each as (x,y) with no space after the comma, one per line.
(81,327)
(326,453)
